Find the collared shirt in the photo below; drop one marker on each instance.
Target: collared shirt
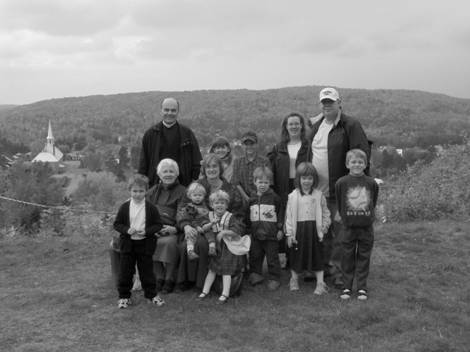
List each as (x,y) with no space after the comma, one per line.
(243,172)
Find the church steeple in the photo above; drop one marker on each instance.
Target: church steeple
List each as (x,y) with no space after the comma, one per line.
(50,153)
(50,137)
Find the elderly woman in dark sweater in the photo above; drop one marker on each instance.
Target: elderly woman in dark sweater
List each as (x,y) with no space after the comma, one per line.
(195,271)
(166,196)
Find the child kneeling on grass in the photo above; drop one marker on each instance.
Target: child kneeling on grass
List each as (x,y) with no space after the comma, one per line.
(356,196)
(307,220)
(231,247)
(137,221)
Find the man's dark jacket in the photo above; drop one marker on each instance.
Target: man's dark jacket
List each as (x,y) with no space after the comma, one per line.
(347,134)
(189,162)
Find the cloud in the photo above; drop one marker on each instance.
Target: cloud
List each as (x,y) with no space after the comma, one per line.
(60,17)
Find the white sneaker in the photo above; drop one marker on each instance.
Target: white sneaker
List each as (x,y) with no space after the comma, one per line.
(362,295)
(346,294)
(158,301)
(124,303)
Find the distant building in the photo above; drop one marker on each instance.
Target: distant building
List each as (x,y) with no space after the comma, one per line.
(50,153)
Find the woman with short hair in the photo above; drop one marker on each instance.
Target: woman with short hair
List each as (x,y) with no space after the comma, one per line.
(167,196)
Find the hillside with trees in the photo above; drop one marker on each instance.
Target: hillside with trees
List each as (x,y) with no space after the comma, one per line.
(391,117)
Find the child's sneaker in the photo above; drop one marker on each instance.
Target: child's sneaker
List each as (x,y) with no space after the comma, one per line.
(362,295)
(294,284)
(157,300)
(346,294)
(320,289)
(124,303)
(192,255)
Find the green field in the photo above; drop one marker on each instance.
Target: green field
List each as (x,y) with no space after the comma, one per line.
(57,295)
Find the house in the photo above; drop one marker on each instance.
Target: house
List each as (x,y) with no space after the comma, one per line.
(50,153)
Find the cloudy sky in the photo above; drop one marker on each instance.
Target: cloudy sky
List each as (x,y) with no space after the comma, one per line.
(59,48)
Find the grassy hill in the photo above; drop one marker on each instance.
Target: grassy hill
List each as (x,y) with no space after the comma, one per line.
(57,295)
(399,117)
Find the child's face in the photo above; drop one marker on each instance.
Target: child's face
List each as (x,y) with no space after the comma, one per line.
(219,206)
(197,197)
(221,151)
(306,182)
(262,184)
(138,193)
(356,166)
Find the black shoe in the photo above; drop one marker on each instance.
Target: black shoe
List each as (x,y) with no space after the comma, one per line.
(168,287)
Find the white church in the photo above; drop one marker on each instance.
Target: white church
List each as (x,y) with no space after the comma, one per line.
(50,153)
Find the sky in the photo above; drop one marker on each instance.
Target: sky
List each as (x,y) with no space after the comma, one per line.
(61,48)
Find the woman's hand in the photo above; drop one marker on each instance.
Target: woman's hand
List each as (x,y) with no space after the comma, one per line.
(190,231)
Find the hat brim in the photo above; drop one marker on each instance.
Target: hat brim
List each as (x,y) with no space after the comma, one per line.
(328,98)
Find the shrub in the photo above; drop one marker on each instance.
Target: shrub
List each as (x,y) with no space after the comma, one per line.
(30,183)
(101,191)
(433,191)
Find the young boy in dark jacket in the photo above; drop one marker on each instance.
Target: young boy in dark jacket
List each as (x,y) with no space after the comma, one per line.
(265,227)
(137,221)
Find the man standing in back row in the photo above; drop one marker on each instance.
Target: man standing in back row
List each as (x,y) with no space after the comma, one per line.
(170,139)
(333,135)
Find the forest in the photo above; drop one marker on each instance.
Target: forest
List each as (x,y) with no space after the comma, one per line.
(398,118)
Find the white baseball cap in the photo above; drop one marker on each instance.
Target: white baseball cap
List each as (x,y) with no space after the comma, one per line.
(329,93)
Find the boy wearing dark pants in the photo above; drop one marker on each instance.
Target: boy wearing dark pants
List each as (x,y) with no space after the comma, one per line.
(137,221)
(356,196)
(265,227)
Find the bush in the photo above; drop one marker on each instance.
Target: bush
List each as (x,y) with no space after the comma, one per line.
(433,191)
(30,183)
(101,191)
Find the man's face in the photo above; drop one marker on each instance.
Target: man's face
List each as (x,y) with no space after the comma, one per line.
(169,110)
(250,147)
(330,108)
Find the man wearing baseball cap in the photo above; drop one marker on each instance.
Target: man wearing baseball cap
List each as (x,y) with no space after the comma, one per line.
(333,134)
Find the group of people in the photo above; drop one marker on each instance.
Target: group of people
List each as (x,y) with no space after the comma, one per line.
(191,219)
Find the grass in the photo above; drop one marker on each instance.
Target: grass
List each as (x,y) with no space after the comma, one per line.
(57,295)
